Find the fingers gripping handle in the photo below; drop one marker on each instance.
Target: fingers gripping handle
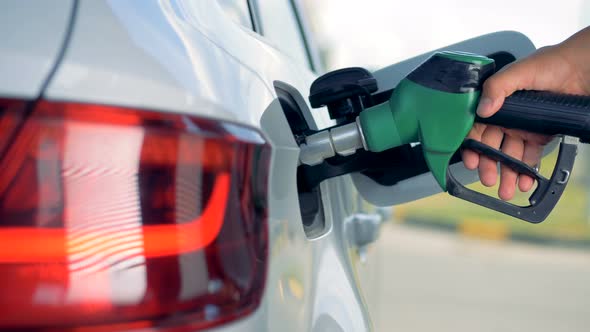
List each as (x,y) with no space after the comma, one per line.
(543,199)
(545,113)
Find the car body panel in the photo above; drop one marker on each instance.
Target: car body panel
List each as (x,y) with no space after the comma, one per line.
(32,35)
(178,56)
(311,284)
(188,57)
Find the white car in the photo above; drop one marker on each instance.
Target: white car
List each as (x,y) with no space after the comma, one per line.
(148,173)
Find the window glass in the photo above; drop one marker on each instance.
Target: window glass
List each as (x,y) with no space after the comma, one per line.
(280,26)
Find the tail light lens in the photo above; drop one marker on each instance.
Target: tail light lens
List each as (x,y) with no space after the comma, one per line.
(120,219)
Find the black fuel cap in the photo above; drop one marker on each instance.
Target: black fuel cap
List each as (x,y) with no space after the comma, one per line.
(342,91)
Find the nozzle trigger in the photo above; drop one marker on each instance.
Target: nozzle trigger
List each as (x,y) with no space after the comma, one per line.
(545,196)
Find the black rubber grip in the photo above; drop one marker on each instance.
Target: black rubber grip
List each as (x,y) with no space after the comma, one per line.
(545,113)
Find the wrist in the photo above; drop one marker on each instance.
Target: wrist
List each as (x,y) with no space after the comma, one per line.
(576,49)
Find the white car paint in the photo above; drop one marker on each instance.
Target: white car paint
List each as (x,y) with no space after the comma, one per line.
(176,56)
(32,35)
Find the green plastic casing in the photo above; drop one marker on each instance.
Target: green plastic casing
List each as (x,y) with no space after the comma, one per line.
(439,120)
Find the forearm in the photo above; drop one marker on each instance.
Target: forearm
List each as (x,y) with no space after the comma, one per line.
(577,51)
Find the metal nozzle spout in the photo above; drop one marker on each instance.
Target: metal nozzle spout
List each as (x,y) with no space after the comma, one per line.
(344,141)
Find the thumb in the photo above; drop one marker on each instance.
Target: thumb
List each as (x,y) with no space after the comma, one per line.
(502,84)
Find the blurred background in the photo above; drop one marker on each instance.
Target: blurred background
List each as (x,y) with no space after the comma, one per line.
(448,265)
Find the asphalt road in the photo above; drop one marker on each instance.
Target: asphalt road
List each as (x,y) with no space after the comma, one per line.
(432,281)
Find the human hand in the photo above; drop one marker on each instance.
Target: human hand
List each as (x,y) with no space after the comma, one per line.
(560,68)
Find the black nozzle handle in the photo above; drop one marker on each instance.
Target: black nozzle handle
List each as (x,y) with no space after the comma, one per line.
(545,113)
(543,199)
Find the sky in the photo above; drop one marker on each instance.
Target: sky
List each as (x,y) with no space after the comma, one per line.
(375,33)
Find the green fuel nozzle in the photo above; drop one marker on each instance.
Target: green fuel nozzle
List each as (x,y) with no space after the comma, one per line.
(435,107)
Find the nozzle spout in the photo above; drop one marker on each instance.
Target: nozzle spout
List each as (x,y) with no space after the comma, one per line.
(343,140)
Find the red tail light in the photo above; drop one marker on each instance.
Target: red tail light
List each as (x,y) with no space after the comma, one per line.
(119,219)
